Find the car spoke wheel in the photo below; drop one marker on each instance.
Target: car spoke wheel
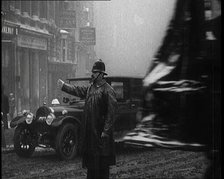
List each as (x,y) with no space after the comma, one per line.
(66,142)
(23,141)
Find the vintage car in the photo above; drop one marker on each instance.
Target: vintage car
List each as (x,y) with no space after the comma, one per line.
(59,125)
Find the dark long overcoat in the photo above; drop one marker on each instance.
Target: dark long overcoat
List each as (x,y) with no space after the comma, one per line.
(99,112)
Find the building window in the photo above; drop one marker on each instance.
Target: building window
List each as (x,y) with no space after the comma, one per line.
(25,6)
(207,4)
(208,16)
(51,10)
(18,4)
(12,5)
(64,53)
(63,40)
(43,9)
(65,5)
(34,7)
(5,5)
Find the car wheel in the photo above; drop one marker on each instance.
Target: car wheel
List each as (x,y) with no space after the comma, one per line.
(66,142)
(23,141)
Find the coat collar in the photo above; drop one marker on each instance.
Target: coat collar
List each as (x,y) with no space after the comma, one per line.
(100,83)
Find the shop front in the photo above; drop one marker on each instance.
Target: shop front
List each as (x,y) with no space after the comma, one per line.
(31,71)
(9,33)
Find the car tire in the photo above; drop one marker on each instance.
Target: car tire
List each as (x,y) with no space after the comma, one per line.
(24,145)
(66,142)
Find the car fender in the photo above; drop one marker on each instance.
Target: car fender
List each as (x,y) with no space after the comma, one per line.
(17,120)
(58,121)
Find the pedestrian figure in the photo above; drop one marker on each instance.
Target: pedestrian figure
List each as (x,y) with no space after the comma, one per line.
(3,143)
(100,103)
(4,108)
(11,106)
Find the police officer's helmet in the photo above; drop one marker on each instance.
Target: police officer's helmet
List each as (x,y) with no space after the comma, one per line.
(99,66)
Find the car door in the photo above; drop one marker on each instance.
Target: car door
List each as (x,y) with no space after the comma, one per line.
(127,108)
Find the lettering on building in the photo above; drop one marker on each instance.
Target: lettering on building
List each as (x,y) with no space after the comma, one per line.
(87,35)
(32,42)
(8,30)
(67,19)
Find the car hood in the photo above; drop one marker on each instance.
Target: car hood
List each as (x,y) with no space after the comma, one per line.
(65,107)
(71,110)
(68,108)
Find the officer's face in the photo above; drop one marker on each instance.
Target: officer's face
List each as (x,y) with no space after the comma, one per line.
(94,75)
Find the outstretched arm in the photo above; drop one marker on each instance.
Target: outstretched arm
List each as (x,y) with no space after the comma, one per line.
(73,90)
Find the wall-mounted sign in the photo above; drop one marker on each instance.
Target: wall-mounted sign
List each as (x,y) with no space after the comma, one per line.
(87,35)
(67,19)
(32,42)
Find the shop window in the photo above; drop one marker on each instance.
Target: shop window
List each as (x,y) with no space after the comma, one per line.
(5,58)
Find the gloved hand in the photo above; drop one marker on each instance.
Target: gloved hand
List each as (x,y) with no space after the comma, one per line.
(60,83)
(104,135)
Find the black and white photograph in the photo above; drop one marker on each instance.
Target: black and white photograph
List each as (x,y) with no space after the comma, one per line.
(111,89)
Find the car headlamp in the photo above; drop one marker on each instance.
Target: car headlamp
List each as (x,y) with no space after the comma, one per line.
(29,118)
(64,112)
(50,118)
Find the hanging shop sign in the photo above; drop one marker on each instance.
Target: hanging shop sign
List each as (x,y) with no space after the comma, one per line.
(67,20)
(87,35)
(31,42)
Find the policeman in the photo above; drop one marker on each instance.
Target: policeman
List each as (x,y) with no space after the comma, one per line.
(100,105)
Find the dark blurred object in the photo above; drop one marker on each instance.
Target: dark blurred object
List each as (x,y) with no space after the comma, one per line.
(189,54)
(4,108)
(214,92)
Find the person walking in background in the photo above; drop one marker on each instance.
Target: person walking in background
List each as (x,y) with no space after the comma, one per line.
(4,108)
(100,104)
(11,106)
(3,143)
